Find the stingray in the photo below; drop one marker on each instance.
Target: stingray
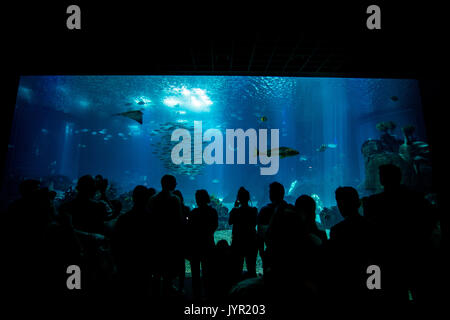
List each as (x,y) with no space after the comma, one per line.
(135,115)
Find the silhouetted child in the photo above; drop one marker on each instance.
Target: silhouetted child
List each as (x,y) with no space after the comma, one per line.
(220,271)
(306,206)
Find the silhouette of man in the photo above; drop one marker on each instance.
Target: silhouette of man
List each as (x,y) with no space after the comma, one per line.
(130,245)
(349,242)
(203,222)
(87,215)
(166,226)
(276,195)
(292,259)
(402,224)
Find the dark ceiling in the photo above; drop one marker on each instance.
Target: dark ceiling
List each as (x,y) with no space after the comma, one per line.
(313,40)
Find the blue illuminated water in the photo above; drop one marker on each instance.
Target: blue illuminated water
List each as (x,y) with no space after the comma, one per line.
(66,125)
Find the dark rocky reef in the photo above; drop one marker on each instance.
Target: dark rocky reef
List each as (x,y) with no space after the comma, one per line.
(412,157)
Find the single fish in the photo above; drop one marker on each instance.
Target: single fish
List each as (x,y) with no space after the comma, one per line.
(394,98)
(263,119)
(303,158)
(44,131)
(93,133)
(324,147)
(84,130)
(282,152)
(292,186)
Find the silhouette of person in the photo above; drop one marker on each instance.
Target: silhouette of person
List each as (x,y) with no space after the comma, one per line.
(276,195)
(307,208)
(130,246)
(243,219)
(402,224)
(166,226)
(87,215)
(101,185)
(292,259)
(221,271)
(34,237)
(349,242)
(202,224)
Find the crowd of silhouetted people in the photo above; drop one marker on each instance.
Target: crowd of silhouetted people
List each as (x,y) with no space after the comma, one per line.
(141,255)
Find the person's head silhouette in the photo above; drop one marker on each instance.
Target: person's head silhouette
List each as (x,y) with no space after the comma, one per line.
(86,186)
(243,196)
(348,201)
(276,192)
(202,197)
(168,182)
(390,176)
(140,195)
(307,207)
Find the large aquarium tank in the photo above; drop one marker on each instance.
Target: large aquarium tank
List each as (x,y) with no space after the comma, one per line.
(122,128)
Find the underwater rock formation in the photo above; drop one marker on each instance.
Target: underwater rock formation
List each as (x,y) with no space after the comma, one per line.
(412,157)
